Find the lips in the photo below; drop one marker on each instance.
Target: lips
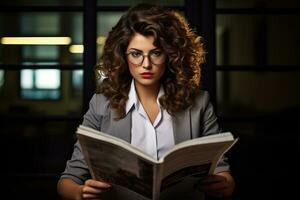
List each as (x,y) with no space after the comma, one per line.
(147,75)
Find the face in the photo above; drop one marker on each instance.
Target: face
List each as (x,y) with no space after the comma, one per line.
(146,62)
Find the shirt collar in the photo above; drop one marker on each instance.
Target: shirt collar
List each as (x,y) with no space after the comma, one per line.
(133,99)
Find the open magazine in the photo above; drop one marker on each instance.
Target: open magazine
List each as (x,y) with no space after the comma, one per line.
(116,161)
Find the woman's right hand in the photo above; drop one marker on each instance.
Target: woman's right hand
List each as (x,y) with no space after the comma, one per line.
(93,189)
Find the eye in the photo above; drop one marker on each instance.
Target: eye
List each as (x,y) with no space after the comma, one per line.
(156,53)
(135,54)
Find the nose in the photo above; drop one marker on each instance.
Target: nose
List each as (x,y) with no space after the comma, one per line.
(146,63)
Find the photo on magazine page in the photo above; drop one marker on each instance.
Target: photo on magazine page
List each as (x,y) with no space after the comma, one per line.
(192,172)
(113,164)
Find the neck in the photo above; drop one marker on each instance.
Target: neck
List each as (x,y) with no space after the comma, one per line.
(147,92)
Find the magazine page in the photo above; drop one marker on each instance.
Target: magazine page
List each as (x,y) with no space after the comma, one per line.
(198,151)
(191,161)
(83,130)
(226,136)
(157,181)
(136,174)
(185,166)
(226,148)
(114,164)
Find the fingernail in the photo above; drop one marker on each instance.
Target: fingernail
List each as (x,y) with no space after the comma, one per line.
(107,185)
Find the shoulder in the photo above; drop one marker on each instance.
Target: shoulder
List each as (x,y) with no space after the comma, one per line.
(202,99)
(99,103)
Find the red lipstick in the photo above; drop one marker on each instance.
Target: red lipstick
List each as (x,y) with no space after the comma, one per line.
(147,75)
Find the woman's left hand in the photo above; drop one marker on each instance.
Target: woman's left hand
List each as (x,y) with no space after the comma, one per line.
(218,185)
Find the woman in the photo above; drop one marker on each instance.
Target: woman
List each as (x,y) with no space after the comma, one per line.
(151,64)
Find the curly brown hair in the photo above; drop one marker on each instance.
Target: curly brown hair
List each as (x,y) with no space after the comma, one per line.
(183,47)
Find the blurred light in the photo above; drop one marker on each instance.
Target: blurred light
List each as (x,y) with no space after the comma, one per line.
(78,48)
(101,40)
(36,40)
(26,79)
(47,78)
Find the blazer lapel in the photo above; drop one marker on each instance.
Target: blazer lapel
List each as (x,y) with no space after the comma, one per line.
(121,128)
(182,126)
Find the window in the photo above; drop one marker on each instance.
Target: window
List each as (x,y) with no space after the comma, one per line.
(77,83)
(40,84)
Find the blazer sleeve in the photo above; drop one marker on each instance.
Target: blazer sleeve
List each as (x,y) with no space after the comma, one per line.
(209,123)
(76,168)
(210,126)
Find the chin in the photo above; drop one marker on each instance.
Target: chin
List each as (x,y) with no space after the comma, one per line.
(148,82)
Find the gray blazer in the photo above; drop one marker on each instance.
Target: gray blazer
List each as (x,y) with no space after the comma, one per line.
(197,121)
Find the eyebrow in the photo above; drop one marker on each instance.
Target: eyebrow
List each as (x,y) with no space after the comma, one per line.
(142,51)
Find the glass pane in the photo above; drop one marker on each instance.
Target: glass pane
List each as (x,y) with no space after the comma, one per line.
(105,22)
(77,84)
(2,78)
(238,3)
(238,39)
(40,84)
(20,85)
(133,2)
(46,38)
(258,3)
(253,94)
(47,78)
(32,53)
(257,40)
(283,39)
(27,77)
(41,3)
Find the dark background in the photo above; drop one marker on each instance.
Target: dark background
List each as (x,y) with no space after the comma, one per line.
(252,74)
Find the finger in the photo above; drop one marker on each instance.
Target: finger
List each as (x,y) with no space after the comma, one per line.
(97,184)
(215,186)
(213,179)
(90,193)
(216,189)
(90,196)
(91,190)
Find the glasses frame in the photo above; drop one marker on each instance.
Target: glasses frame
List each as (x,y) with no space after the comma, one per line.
(144,55)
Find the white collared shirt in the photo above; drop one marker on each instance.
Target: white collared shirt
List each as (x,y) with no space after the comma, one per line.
(154,139)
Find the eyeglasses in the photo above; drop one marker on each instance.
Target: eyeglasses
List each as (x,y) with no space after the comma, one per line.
(156,57)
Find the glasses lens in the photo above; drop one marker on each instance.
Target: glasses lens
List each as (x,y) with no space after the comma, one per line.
(137,59)
(157,59)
